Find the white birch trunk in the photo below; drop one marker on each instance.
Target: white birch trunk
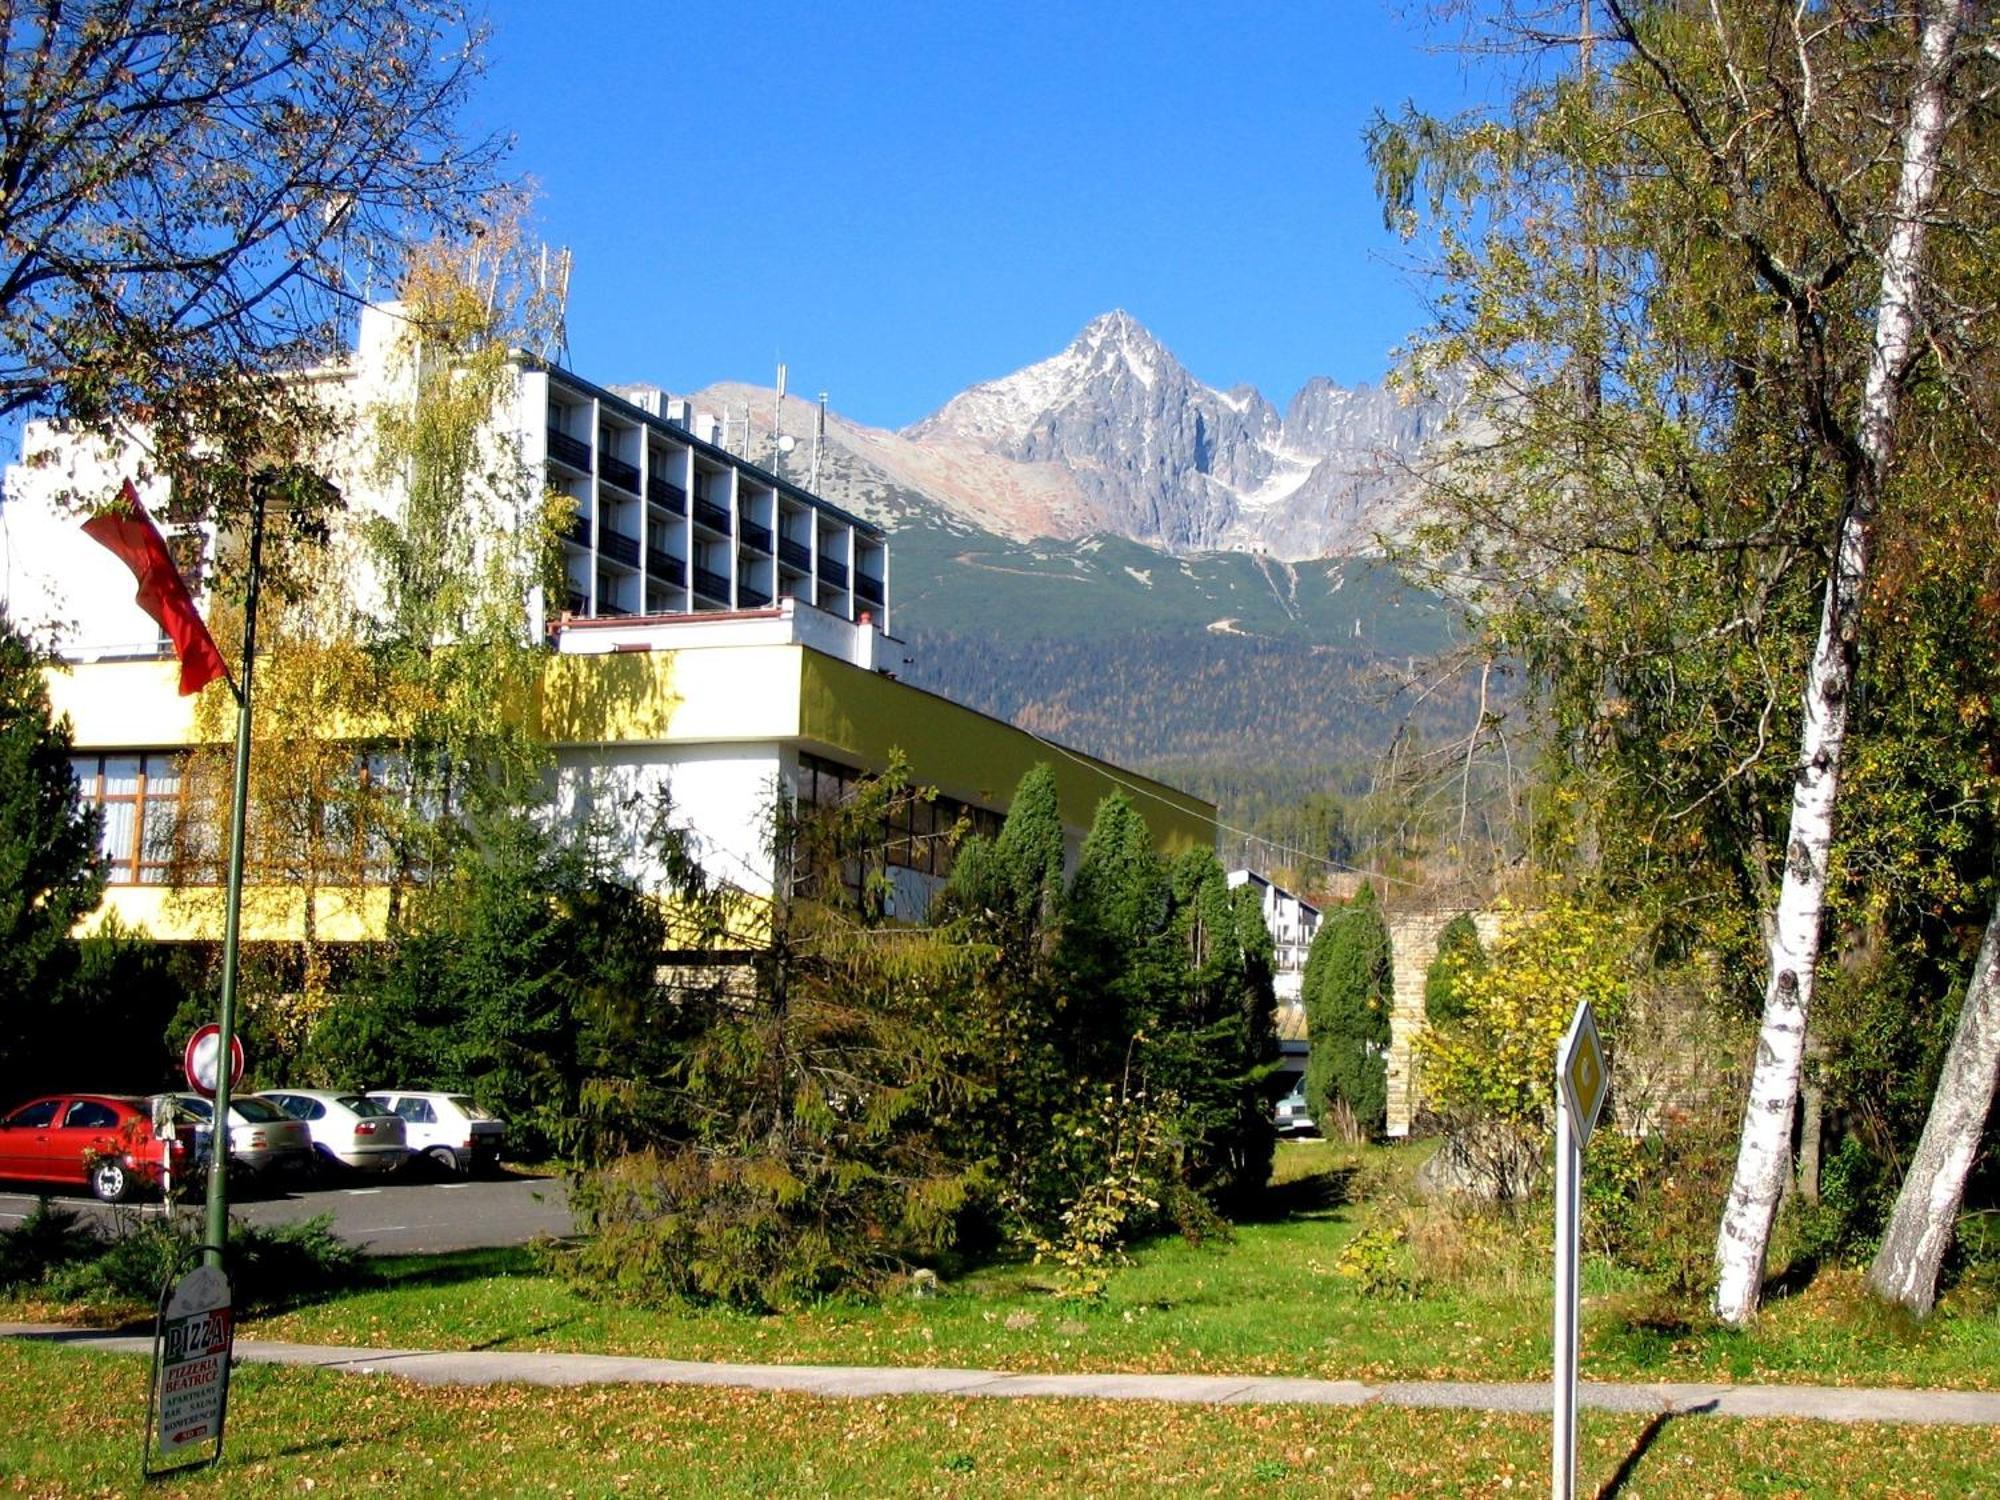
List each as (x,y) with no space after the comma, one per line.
(1763,1162)
(1920,1229)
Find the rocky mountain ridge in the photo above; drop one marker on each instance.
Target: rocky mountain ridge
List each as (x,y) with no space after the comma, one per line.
(1114,436)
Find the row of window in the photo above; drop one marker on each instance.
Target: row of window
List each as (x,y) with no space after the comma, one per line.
(148,836)
(918,834)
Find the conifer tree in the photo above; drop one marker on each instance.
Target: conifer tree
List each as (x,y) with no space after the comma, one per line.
(51,875)
(1347,1000)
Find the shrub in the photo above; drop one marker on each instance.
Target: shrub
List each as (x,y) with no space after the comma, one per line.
(1491,1074)
(268,1267)
(43,1244)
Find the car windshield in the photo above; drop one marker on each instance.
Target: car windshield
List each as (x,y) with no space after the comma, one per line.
(368,1109)
(257,1111)
(471,1110)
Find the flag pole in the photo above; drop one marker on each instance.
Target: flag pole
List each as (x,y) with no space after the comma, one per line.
(216,1239)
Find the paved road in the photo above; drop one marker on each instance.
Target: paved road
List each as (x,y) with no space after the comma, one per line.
(489,1367)
(390,1218)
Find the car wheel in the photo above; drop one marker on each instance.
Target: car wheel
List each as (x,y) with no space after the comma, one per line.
(445,1158)
(110,1181)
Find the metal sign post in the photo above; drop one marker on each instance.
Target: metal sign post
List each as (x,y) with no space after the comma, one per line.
(1581,1081)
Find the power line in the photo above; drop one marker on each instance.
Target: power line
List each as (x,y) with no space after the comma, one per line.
(1145,791)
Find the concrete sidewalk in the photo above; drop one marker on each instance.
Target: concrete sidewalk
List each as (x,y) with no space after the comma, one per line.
(496,1367)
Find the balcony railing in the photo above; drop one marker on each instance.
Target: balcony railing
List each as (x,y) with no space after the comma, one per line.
(665,565)
(623,548)
(711,585)
(617,471)
(568,450)
(795,554)
(832,572)
(711,515)
(579,530)
(868,588)
(667,495)
(750,598)
(755,536)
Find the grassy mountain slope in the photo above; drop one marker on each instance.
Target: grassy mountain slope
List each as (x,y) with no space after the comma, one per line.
(1247,678)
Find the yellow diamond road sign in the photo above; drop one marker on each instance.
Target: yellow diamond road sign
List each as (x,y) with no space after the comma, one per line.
(1580,1073)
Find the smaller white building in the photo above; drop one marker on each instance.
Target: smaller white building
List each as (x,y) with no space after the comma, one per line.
(1293,921)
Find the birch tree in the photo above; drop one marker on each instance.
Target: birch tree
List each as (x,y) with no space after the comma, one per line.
(1920,1228)
(1764,1153)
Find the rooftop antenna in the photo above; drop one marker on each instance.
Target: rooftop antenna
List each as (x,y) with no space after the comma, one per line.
(819,442)
(779,448)
(552,279)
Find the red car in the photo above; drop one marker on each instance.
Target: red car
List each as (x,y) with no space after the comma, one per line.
(104,1142)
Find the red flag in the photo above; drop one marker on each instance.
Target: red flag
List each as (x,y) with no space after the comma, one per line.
(126,529)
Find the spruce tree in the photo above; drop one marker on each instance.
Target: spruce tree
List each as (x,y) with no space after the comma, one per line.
(51,874)
(1347,998)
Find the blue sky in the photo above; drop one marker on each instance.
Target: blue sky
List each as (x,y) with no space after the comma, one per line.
(902,199)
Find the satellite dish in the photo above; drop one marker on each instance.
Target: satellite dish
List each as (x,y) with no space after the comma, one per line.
(787,443)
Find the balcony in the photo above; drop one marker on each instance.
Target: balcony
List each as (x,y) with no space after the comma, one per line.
(832,572)
(611,611)
(795,554)
(579,530)
(868,588)
(566,449)
(665,565)
(711,515)
(756,537)
(574,602)
(617,471)
(667,495)
(751,598)
(619,547)
(711,585)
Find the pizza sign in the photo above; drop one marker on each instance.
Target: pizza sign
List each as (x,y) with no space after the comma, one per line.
(196,1336)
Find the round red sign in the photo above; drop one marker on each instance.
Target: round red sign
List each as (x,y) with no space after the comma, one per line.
(204,1053)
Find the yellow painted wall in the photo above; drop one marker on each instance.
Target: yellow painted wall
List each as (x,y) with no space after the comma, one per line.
(269,914)
(115,705)
(863,715)
(709,695)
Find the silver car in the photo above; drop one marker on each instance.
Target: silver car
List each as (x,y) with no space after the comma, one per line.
(263,1139)
(350,1129)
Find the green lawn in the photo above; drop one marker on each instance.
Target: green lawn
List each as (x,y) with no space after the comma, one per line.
(73,1423)
(1269,1301)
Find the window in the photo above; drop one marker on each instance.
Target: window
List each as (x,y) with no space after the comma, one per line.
(142,797)
(416,1111)
(35,1115)
(88,1114)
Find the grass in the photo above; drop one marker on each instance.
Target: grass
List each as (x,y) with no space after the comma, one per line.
(73,1429)
(1269,1301)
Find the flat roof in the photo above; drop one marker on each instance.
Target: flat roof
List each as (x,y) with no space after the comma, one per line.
(715,451)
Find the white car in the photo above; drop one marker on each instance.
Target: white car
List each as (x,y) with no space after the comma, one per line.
(448,1128)
(1292,1117)
(350,1129)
